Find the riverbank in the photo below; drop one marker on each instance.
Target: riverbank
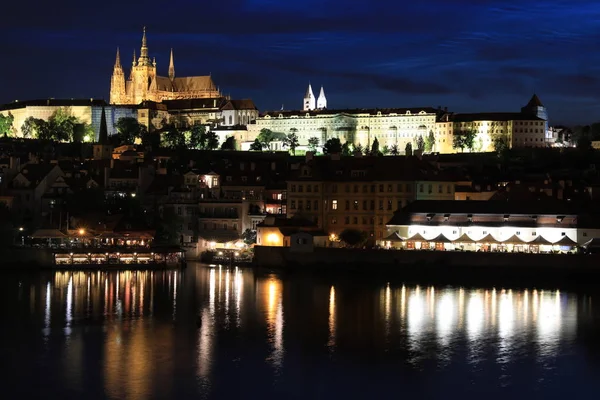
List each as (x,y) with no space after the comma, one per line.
(436,266)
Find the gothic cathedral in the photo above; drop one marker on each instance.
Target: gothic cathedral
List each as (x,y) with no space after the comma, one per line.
(144,84)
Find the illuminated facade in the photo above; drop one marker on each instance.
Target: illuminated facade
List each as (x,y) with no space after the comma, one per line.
(400,126)
(362,193)
(144,84)
(468,224)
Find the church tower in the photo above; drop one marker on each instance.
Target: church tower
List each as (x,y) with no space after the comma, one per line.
(171,68)
(117,82)
(102,149)
(143,73)
(309,99)
(322,100)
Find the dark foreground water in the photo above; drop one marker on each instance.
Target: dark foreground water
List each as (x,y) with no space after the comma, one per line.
(229,333)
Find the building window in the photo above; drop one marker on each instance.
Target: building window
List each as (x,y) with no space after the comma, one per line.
(293,189)
(400,187)
(365,189)
(430,188)
(333,221)
(316,188)
(440,189)
(300,204)
(333,188)
(408,188)
(300,188)
(347,205)
(389,205)
(372,205)
(584,234)
(234,227)
(533,233)
(390,188)
(355,205)
(347,188)
(518,233)
(380,220)
(355,188)
(399,204)
(293,204)
(308,205)
(421,186)
(308,188)
(380,188)
(225,226)
(381,204)
(372,188)
(355,219)
(334,204)
(316,205)
(449,189)
(347,220)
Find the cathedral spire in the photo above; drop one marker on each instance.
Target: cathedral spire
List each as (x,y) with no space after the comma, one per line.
(171,67)
(134,57)
(144,59)
(118,60)
(309,99)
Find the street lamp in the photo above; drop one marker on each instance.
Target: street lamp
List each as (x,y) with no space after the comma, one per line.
(81,231)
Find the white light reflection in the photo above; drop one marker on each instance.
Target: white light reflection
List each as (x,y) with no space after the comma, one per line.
(238,295)
(331,341)
(416,315)
(207,329)
(475,316)
(47,310)
(69,313)
(174,295)
(549,321)
(227,284)
(388,309)
(445,318)
(506,326)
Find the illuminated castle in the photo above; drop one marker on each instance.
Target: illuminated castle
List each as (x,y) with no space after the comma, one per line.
(144,84)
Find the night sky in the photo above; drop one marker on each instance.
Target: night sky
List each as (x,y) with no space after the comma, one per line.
(468,55)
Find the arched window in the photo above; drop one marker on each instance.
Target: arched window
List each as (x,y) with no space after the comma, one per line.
(230,120)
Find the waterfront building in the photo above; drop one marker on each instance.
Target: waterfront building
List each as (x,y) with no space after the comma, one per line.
(491,225)
(362,193)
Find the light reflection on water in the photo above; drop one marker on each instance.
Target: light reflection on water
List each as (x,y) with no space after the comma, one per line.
(191,332)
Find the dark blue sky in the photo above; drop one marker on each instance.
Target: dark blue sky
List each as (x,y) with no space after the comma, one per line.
(468,55)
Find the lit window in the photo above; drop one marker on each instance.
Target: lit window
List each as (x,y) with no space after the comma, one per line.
(334,205)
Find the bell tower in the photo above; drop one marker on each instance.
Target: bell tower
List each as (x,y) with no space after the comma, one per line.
(309,99)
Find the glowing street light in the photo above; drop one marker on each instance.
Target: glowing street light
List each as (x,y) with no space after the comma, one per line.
(21,229)
(81,231)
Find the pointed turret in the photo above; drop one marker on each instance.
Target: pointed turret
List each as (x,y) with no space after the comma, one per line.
(117,82)
(134,62)
(322,100)
(118,60)
(309,99)
(102,149)
(535,107)
(171,67)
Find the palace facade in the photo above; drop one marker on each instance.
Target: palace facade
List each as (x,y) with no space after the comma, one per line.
(144,84)
(400,126)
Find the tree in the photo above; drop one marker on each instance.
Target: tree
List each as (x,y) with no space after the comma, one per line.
(37,128)
(464,139)
(408,149)
(196,136)
(62,125)
(291,140)
(267,136)
(332,146)
(229,143)
(353,237)
(6,124)
(211,140)
(358,150)
(500,143)
(172,137)
(313,144)
(375,148)
(420,143)
(347,149)
(256,145)
(385,151)
(394,150)
(429,142)
(249,237)
(128,130)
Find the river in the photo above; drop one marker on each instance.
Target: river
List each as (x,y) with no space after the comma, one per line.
(231,333)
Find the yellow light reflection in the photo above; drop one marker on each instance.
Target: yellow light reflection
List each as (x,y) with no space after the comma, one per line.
(275,322)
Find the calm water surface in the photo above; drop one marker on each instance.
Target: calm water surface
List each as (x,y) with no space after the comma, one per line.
(230,333)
